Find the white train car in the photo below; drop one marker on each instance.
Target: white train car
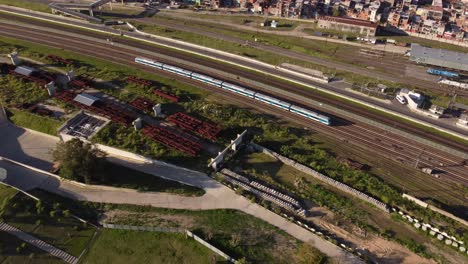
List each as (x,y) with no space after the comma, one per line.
(454,83)
(238,89)
(177,70)
(311,115)
(149,62)
(206,79)
(272,101)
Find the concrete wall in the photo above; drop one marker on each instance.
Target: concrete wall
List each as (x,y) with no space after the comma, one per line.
(315,174)
(208,245)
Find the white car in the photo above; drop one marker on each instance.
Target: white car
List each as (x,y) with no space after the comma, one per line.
(401,99)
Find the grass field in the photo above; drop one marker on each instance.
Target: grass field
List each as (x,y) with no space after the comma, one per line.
(14,251)
(123,246)
(235,233)
(120,176)
(39,123)
(47,222)
(33,5)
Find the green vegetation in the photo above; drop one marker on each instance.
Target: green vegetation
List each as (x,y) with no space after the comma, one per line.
(266,130)
(32,5)
(78,160)
(49,222)
(32,121)
(13,251)
(123,246)
(235,233)
(81,162)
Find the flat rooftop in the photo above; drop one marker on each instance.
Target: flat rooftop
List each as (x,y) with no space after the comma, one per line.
(83,125)
(439,57)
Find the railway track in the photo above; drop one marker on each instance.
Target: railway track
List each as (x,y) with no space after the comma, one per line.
(266,80)
(354,132)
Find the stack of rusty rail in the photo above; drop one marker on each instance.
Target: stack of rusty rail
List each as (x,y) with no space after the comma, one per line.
(109,110)
(171,97)
(172,140)
(59,60)
(194,125)
(142,104)
(136,80)
(81,81)
(41,78)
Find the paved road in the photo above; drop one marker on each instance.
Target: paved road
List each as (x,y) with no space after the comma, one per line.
(216,196)
(38,243)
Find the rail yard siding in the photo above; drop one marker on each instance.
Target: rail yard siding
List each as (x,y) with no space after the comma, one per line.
(88,26)
(315,174)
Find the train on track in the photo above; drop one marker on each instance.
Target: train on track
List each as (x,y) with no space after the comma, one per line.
(443,73)
(237,89)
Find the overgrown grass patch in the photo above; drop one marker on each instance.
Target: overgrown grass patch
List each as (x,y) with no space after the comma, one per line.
(125,246)
(48,222)
(235,233)
(13,250)
(32,121)
(32,5)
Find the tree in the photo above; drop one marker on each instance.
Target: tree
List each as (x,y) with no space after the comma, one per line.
(78,160)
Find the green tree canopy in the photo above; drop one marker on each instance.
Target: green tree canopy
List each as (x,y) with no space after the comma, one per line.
(78,160)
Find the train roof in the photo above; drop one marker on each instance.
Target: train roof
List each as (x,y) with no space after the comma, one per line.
(295,107)
(206,77)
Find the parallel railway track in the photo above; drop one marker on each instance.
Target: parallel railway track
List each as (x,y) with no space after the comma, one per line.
(357,133)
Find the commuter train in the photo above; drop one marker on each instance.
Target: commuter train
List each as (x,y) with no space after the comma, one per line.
(237,89)
(444,73)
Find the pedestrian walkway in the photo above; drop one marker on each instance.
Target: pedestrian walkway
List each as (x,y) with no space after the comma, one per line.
(38,243)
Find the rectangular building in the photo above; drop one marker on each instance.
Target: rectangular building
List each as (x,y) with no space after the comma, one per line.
(439,57)
(355,26)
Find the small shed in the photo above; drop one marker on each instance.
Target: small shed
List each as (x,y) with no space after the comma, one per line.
(86,99)
(24,70)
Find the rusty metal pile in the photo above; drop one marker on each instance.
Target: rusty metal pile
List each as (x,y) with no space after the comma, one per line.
(194,125)
(136,80)
(111,111)
(172,140)
(59,60)
(142,104)
(166,95)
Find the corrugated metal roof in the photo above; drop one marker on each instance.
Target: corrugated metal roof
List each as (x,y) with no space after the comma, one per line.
(86,99)
(439,57)
(24,70)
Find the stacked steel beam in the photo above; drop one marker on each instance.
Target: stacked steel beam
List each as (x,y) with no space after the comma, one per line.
(142,104)
(58,59)
(194,125)
(166,95)
(171,140)
(136,80)
(81,81)
(108,110)
(33,78)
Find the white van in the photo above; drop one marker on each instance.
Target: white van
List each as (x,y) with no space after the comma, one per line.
(401,99)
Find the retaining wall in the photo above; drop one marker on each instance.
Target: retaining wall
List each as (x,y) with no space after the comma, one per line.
(208,245)
(315,174)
